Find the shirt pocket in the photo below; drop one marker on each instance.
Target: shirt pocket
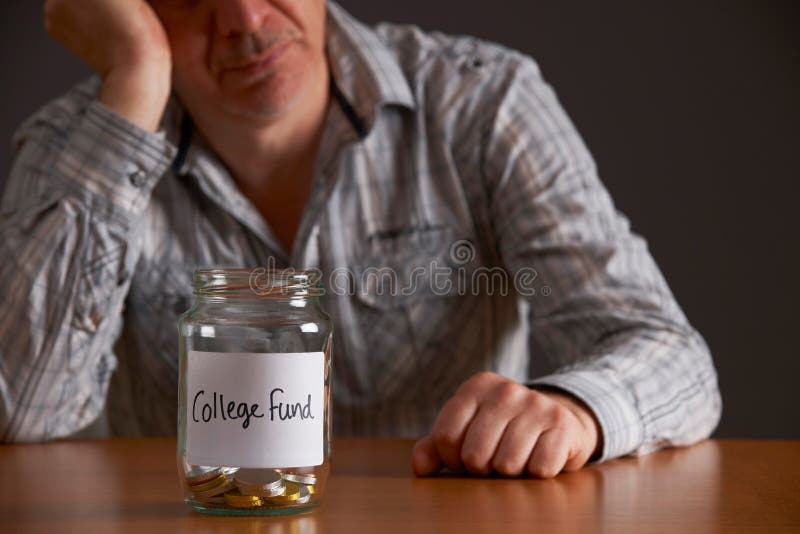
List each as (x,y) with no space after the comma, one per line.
(409,303)
(399,267)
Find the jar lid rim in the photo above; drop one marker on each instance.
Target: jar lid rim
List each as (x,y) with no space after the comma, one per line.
(257,282)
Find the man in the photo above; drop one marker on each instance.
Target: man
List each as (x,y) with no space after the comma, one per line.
(298,136)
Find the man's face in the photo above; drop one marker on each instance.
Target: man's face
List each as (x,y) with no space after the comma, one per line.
(248,59)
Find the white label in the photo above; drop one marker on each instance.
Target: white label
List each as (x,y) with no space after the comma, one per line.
(255,409)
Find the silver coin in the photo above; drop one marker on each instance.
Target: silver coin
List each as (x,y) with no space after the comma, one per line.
(305,495)
(258,491)
(260,482)
(303,479)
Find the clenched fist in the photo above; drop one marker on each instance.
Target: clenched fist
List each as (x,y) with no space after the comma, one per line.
(493,424)
(125,43)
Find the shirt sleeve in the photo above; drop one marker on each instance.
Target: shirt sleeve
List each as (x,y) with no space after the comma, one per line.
(606,317)
(70,219)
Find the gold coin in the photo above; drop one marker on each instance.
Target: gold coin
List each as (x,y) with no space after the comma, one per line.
(217,499)
(236,499)
(303,479)
(227,484)
(201,475)
(311,489)
(290,494)
(214,482)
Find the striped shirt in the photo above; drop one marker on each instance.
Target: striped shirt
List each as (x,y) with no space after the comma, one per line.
(441,156)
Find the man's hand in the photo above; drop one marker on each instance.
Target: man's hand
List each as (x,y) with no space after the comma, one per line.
(125,43)
(495,424)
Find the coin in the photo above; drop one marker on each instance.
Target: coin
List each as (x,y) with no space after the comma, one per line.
(222,487)
(237,500)
(218,499)
(278,490)
(260,482)
(216,481)
(290,494)
(305,494)
(303,479)
(201,474)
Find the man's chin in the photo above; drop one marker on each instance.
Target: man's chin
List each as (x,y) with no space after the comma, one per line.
(262,106)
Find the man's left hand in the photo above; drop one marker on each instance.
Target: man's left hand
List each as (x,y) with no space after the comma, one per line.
(493,424)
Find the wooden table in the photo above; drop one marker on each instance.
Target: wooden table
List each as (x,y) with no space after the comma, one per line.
(131,485)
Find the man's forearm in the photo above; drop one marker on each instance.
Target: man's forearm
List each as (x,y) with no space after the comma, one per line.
(70,218)
(648,389)
(138,94)
(608,322)
(126,45)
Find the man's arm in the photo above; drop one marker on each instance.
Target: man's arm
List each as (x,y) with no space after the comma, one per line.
(125,44)
(628,362)
(69,222)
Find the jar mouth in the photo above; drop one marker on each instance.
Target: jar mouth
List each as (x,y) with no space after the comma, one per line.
(257,282)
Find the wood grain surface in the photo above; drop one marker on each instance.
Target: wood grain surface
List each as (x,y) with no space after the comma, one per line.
(131,485)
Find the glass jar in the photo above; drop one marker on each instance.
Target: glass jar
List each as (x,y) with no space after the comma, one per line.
(254,392)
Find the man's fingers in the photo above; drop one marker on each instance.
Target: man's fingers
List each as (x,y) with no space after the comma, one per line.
(495,424)
(425,458)
(481,440)
(550,453)
(575,461)
(450,427)
(516,445)
(578,454)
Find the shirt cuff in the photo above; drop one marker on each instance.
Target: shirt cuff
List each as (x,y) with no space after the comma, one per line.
(113,163)
(611,403)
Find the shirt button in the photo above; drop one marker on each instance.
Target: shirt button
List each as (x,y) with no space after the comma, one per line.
(138,178)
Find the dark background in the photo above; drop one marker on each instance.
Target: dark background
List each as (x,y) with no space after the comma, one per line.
(691,110)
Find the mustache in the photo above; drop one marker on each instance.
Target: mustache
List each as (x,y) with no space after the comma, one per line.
(246,48)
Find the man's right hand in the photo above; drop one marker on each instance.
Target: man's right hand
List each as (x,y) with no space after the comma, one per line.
(125,43)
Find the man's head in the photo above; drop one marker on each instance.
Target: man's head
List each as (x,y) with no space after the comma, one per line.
(244,59)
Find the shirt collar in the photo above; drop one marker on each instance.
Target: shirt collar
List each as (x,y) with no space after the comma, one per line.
(364,70)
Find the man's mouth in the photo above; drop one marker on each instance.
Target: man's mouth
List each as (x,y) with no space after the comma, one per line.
(253,65)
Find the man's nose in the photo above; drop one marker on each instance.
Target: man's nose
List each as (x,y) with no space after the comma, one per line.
(241,16)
